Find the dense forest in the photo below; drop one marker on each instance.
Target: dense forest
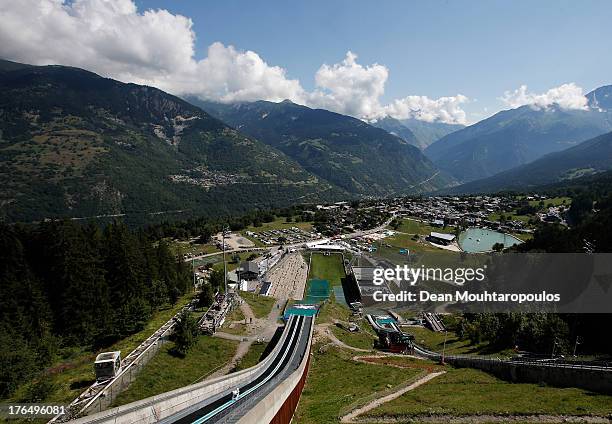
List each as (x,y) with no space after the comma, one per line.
(65,284)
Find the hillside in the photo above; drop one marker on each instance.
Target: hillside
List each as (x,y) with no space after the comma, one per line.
(75,144)
(514,137)
(429,132)
(342,150)
(395,127)
(590,157)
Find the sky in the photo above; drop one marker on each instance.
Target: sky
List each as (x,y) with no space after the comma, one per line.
(434,60)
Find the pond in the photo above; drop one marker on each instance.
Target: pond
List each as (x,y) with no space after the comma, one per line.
(477,240)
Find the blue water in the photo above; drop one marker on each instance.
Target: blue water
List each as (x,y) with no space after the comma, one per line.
(469,240)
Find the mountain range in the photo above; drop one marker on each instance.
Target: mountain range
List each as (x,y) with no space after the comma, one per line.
(345,151)
(415,132)
(515,137)
(590,157)
(75,144)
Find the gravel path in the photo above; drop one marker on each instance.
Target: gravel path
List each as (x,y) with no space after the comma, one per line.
(257,328)
(350,417)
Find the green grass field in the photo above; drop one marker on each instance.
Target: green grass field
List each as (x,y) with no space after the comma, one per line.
(555,201)
(435,341)
(328,268)
(362,339)
(252,357)
(510,216)
(331,311)
(412,226)
(279,224)
(73,373)
(335,381)
(467,391)
(523,236)
(178,247)
(167,372)
(261,305)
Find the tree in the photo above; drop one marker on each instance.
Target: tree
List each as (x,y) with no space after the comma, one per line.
(216,279)
(498,247)
(185,333)
(205,298)
(205,236)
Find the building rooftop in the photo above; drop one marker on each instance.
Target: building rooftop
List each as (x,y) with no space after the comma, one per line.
(249,266)
(442,236)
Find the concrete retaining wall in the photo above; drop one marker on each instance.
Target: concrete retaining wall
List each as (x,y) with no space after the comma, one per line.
(155,408)
(119,384)
(279,405)
(589,379)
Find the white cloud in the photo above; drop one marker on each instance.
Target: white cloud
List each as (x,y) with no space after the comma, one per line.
(229,75)
(108,37)
(354,89)
(566,96)
(350,88)
(444,109)
(156,47)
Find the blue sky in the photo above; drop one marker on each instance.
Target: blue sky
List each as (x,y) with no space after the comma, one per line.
(450,61)
(432,48)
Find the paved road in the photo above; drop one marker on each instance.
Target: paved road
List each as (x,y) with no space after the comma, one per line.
(360,233)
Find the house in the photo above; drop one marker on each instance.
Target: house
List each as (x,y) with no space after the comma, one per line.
(441,238)
(248,270)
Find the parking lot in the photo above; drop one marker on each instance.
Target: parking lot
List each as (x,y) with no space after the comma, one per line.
(291,235)
(288,278)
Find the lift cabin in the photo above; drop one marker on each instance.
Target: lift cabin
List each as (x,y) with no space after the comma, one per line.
(395,341)
(107,365)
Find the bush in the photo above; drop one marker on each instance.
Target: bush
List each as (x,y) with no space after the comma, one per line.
(185,333)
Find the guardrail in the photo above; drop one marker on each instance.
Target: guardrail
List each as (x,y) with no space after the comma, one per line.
(100,395)
(591,377)
(153,409)
(279,405)
(517,361)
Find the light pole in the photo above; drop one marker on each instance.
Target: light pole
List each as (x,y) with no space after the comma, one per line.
(578,341)
(193,272)
(224,232)
(444,346)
